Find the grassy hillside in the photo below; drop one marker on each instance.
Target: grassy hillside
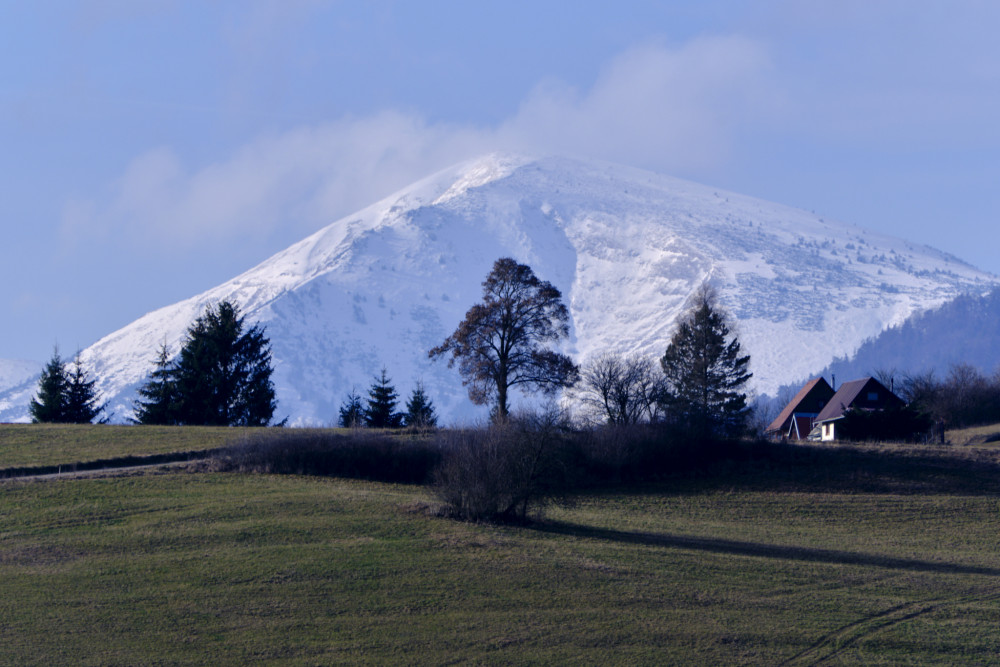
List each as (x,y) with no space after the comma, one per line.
(24,445)
(229,569)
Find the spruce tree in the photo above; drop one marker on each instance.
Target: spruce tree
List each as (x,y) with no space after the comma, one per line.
(81,405)
(223,375)
(704,372)
(420,410)
(352,412)
(156,404)
(382,400)
(49,404)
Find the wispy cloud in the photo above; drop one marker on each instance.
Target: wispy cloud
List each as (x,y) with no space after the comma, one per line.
(664,108)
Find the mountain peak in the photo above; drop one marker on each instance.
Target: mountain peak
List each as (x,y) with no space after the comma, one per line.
(625,246)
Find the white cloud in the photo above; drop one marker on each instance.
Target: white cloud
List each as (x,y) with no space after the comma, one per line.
(669,109)
(666,109)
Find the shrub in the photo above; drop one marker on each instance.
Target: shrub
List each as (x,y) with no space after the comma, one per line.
(507,470)
(362,454)
(897,424)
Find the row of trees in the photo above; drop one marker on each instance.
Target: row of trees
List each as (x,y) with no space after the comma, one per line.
(696,385)
(379,411)
(503,342)
(222,375)
(963,397)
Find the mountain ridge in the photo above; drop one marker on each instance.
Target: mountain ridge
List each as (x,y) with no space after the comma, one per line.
(625,246)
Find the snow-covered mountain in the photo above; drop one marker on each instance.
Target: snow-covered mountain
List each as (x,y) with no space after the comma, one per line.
(626,247)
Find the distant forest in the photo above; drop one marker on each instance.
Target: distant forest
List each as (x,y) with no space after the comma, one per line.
(963,331)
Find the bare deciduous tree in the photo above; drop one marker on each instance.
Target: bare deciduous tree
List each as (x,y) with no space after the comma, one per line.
(624,389)
(502,342)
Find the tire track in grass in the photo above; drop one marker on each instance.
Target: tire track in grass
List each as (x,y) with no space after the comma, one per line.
(833,644)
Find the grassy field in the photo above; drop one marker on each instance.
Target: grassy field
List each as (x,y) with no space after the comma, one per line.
(974,435)
(55,444)
(210,568)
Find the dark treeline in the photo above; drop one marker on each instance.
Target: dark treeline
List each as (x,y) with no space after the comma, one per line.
(511,471)
(964,397)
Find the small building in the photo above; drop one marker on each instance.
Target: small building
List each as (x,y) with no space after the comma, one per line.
(796,420)
(866,394)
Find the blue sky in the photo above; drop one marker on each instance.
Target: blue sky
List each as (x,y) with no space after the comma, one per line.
(151,150)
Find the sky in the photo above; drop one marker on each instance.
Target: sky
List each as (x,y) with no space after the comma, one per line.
(152,150)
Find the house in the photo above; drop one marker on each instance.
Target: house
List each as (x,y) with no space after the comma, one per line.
(796,420)
(867,394)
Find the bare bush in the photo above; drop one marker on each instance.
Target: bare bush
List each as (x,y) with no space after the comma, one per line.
(507,470)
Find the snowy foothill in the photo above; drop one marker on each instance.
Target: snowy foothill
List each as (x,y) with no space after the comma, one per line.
(626,247)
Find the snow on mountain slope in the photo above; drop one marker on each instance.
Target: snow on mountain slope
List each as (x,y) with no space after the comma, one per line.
(625,246)
(17,371)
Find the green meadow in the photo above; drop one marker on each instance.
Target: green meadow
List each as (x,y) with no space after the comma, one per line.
(199,567)
(27,445)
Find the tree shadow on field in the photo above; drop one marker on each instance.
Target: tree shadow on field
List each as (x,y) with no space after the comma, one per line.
(760,550)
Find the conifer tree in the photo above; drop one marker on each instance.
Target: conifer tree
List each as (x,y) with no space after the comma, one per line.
(49,405)
(420,410)
(223,373)
(81,405)
(381,409)
(352,412)
(704,372)
(156,404)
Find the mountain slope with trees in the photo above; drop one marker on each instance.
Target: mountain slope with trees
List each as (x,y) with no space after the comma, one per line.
(625,247)
(963,331)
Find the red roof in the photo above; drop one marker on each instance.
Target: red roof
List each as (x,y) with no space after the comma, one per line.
(810,400)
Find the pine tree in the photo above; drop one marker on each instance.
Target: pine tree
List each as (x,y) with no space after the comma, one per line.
(156,404)
(49,405)
(81,405)
(420,410)
(223,374)
(704,372)
(381,409)
(352,412)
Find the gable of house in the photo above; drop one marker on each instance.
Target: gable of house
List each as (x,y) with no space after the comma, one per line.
(864,394)
(809,402)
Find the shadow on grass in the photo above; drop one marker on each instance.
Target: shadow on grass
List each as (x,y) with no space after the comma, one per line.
(758,549)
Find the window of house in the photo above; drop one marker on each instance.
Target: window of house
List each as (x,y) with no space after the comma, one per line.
(873,396)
